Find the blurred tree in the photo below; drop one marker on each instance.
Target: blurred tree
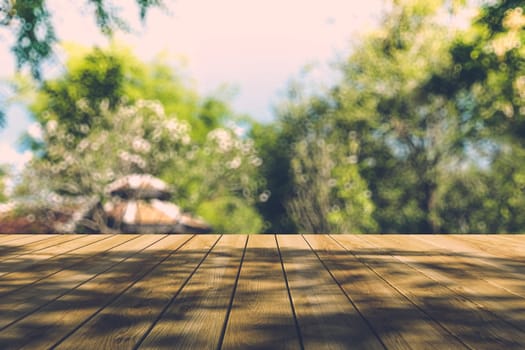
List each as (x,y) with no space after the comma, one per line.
(407,134)
(273,146)
(486,79)
(214,178)
(313,177)
(485,200)
(90,105)
(32,24)
(488,69)
(114,74)
(3,173)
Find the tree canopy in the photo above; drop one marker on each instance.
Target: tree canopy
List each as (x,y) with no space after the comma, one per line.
(423,132)
(31,22)
(111,115)
(431,118)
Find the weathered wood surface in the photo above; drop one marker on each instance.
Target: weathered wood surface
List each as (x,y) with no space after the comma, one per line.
(262,291)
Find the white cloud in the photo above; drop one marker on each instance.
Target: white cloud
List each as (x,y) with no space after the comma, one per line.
(9,156)
(15,161)
(35,131)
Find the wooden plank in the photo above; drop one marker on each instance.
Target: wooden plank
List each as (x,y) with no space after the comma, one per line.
(326,318)
(71,261)
(122,323)
(36,247)
(20,262)
(21,245)
(55,321)
(35,242)
(495,245)
(505,273)
(475,326)
(516,238)
(261,316)
(12,237)
(25,301)
(460,277)
(26,238)
(395,319)
(196,317)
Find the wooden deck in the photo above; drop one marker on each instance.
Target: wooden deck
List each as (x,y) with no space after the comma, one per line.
(262,292)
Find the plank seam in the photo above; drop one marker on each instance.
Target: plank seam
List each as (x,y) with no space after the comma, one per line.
(75,237)
(75,287)
(38,240)
(479,246)
(483,262)
(230,305)
(295,319)
(170,302)
(52,257)
(11,239)
(347,295)
(404,296)
(64,268)
(479,306)
(118,295)
(508,238)
(8,256)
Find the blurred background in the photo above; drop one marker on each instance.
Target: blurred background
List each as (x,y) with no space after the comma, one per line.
(238,116)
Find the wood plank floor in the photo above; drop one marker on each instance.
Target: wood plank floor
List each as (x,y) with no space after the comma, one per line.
(262,292)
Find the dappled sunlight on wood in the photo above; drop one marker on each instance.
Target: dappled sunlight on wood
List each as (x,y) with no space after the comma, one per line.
(262,291)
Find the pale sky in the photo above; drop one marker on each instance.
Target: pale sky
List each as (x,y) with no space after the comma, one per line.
(253,45)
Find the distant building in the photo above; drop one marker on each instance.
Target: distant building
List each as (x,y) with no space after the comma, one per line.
(139,203)
(135,204)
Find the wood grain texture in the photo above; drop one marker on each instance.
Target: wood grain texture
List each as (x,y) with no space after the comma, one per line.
(503,272)
(5,238)
(327,319)
(262,291)
(65,265)
(396,320)
(121,324)
(47,327)
(516,238)
(22,245)
(458,275)
(16,306)
(36,247)
(28,260)
(495,246)
(476,327)
(195,319)
(261,315)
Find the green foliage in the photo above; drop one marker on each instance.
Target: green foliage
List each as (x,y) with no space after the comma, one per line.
(407,133)
(489,66)
(222,171)
(423,133)
(486,81)
(138,138)
(97,127)
(31,22)
(141,138)
(273,147)
(485,200)
(35,34)
(114,75)
(411,130)
(311,171)
(3,173)
(230,215)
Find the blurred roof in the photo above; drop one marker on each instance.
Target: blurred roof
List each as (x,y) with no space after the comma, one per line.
(152,216)
(139,186)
